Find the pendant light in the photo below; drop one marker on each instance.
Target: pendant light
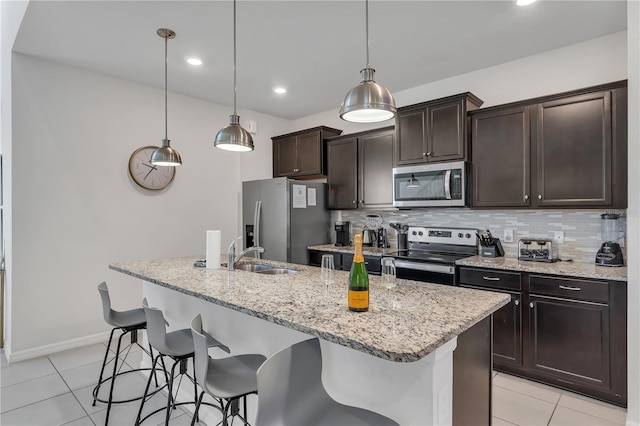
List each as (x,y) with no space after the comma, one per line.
(368,102)
(234,137)
(413,182)
(165,155)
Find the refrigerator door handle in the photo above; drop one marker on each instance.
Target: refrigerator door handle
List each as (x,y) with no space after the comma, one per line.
(256,226)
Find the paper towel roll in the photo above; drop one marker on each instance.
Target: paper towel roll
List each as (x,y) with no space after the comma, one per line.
(213,249)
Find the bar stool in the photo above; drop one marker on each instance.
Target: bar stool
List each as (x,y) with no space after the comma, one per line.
(178,345)
(291,392)
(128,322)
(225,379)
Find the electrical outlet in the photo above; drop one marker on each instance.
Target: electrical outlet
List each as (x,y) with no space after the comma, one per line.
(508,236)
(558,237)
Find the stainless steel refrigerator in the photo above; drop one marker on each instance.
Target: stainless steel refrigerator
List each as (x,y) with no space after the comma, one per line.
(284,216)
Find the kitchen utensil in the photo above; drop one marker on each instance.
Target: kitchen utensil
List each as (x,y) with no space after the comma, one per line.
(489,246)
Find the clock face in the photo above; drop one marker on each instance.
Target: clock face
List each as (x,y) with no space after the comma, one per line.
(147,175)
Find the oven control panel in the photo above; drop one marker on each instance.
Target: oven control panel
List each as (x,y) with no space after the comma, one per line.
(456,236)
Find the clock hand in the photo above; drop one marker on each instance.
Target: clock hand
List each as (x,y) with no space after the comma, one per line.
(148,173)
(150,166)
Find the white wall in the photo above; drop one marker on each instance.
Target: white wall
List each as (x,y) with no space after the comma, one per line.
(76,208)
(633,213)
(601,60)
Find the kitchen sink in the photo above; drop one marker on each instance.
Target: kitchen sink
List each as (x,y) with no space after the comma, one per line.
(253,267)
(277,271)
(262,268)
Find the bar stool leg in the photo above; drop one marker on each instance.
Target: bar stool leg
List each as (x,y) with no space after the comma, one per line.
(194,419)
(113,378)
(104,363)
(146,389)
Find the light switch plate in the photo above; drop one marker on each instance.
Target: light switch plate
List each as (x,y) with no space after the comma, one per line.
(558,236)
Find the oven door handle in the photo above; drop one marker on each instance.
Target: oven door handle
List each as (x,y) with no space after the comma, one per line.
(429,267)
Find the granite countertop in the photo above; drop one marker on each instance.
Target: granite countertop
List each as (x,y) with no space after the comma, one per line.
(426,316)
(572,269)
(367,251)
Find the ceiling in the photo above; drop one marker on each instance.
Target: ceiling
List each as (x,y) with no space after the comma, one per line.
(314,48)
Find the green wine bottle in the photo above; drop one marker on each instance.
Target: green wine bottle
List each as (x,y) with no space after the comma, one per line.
(358,280)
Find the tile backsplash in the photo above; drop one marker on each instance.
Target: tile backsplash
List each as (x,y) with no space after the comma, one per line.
(581,227)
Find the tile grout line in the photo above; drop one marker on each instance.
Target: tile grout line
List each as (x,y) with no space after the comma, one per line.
(71,392)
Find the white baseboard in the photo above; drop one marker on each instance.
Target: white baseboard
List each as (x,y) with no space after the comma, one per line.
(56,347)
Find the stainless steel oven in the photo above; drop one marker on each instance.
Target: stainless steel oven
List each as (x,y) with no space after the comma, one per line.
(432,253)
(431,185)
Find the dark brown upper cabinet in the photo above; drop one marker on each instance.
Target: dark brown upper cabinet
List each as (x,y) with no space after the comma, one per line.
(565,150)
(301,154)
(360,168)
(434,131)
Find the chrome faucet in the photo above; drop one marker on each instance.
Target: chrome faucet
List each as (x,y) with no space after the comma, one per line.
(232,259)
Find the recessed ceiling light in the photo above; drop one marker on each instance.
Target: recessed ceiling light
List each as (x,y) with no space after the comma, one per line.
(194,61)
(280,90)
(524,2)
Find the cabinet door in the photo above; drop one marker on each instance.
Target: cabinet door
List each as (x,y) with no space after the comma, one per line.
(500,147)
(342,174)
(573,150)
(507,332)
(445,134)
(285,157)
(310,154)
(410,137)
(375,176)
(569,340)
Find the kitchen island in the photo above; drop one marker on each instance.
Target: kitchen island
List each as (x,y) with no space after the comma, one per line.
(396,360)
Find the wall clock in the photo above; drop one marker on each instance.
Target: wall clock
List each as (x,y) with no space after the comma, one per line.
(147,175)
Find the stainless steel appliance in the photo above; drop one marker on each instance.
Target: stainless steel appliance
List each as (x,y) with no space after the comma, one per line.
(382,238)
(342,234)
(537,250)
(432,253)
(372,224)
(431,185)
(612,232)
(284,216)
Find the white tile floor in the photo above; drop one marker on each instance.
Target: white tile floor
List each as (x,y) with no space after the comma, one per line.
(56,390)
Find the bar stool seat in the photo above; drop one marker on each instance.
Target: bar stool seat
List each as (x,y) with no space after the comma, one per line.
(291,392)
(179,346)
(227,380)
(128,322)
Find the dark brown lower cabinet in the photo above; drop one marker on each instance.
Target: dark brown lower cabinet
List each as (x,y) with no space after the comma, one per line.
(563,331)
(343,261)
(569,340)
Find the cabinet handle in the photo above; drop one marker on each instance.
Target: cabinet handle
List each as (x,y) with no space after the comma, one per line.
(531,305)
(361,201)
(354,201)
(564,287)
(491,278)
(539,197)
(424,154)
(526,197)
(517,302)
(428,154)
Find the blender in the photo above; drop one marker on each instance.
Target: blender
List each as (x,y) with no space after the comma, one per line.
(612,231)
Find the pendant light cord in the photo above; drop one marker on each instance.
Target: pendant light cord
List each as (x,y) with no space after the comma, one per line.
(234,58)
(166,132)
(367,29)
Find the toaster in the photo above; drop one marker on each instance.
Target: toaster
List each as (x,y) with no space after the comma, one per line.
(537,250)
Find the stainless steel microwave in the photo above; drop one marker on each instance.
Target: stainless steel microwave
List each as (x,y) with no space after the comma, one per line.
(431,185)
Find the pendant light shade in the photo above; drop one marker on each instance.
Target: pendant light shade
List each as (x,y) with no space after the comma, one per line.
(368,102)
(165,155)
(234,137)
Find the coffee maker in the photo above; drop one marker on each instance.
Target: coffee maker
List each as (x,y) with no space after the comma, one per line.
(611,229)
(342,234)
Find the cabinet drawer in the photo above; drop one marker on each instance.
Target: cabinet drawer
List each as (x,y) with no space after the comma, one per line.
(490,278)
(595,291)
